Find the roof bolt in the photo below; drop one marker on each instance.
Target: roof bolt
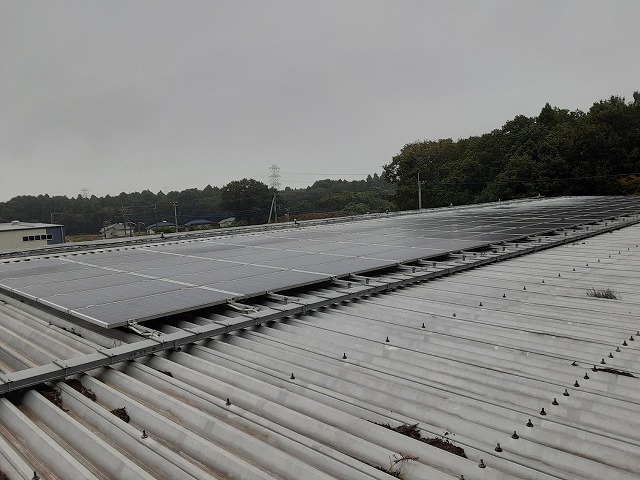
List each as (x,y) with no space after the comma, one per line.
(481,464)
(423,325)
(586,376)
(344,356)
(609,256)
(618,349)
(144,434)
(515,436)
(461,477)
(498,448)
(624,343)
(387,340)
(566,392)
(555,401)
(504,295)
(587,264)
(454,314)
(598,260)
(574,270)
(631,338)
(603,362)
(542,412)
(559,275)
(574,364)
(524,288)
(292,377)
(35,476)
(594,369)
(543,280)
(637,332)
(576,384)
(610,355)
(529,423)
(480,304)
(228,402)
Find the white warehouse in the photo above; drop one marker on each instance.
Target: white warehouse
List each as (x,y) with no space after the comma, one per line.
(26,235)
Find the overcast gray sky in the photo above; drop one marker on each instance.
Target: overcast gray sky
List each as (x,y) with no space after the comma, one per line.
(128,95)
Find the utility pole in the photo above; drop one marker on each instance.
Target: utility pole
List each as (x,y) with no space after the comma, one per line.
(419,192)
(175,213)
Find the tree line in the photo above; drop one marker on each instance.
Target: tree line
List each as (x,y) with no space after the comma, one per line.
(247,200)
(558,152)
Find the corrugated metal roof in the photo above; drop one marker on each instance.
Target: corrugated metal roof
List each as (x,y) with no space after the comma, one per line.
(13,226)
(469,358)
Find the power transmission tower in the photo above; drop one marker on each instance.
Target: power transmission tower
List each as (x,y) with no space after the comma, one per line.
(274,184)
(274,177)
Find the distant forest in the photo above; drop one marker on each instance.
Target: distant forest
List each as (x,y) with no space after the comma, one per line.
(558,152)
(248,200)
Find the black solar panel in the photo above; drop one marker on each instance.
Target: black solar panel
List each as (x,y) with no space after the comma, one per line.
(120,285)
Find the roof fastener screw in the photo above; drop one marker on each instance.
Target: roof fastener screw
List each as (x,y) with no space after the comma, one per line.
(524,288)
(292,377)
(624,343)
(387,340)
(529,423)
(594,369)
(144,434)
(566,392)
(480,304)
(559,275)
(542,412)
(587,264)
(228,402)
(610,355)
(515,436)
(35,476)
(543,281)
(481,464)
(586,376)
(461,477)
(454,314)
(618,349)
(574,270)
(598,260)
(423,325)
(498,448)
(555,401)
(576,384)
(344,356)
(603,362)
(574,364)
(631,338)
(504,295)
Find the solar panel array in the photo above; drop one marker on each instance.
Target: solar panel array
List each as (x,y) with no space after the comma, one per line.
(117,286)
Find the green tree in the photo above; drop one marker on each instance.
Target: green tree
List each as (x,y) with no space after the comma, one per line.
(245,196)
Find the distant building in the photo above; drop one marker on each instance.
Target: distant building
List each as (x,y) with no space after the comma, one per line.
(116,230)
(227,222)
(163,224)
(25,235)
(201,222)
